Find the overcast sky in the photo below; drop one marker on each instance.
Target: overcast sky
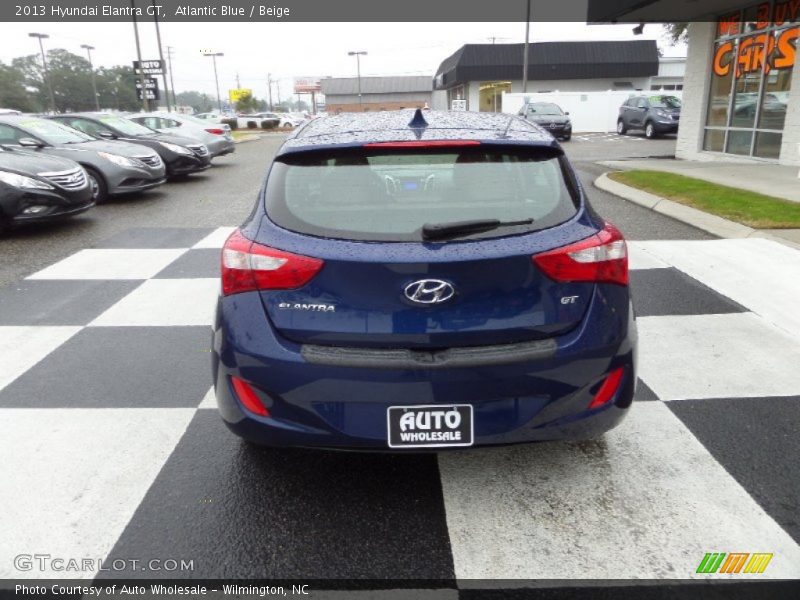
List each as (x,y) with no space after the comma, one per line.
(290,50)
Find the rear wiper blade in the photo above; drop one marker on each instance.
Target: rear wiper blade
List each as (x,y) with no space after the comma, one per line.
(435,231)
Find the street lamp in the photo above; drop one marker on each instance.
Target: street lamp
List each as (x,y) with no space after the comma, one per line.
(44,36)
(358,54)
(214,56)
(89,49)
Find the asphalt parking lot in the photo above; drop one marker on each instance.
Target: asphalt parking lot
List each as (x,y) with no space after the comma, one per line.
(114,449)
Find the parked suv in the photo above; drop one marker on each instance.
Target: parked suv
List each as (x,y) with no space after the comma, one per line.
(429,282)
(655,115)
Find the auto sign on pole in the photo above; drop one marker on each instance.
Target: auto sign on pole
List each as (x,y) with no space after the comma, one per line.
(148,67)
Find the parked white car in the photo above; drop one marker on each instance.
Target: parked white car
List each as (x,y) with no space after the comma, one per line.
(216,136)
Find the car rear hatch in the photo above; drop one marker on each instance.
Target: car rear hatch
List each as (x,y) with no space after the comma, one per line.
(380,278)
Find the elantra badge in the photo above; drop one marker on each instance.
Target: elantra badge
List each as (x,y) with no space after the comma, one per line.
(429,291)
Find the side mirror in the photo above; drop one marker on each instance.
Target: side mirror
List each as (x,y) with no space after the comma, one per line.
(30,143)
(567,113)
(106,135)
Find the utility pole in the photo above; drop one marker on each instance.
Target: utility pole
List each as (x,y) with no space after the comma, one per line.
(358,54)
(214,56)
(89,49)
(170,50)
(527,44)
(145,101)
(161,54)
(44,36)
(269,85)
(238,83)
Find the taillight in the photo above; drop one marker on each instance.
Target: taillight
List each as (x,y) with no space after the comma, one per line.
(248,266)
(215,131)
(608,389)
(602,258)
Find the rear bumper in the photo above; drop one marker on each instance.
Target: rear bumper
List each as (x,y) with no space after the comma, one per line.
(329,405)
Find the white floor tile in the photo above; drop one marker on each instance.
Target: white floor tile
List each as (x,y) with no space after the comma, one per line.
(215,239)
(77,477)
(639,258)
(762,275)
(209,400)
(717,356)
(23,347)
(165,302)
(645,501)
(110,264)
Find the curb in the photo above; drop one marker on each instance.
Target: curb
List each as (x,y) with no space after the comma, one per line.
(247,138)
(712,224)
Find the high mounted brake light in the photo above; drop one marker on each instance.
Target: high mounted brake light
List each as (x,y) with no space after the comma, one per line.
(247,266)
(424,144)
(601,258)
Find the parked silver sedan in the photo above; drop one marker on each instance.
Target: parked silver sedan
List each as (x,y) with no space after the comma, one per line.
(216,136)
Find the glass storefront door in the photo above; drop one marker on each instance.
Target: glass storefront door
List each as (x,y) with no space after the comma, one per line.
(754,56)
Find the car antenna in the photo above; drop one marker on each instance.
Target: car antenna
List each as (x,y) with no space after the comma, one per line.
(418,120)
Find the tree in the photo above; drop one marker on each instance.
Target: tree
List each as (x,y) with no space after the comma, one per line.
(247,103)
(116,88)
(12,91)
(70,76)
(199,102)
(677,33)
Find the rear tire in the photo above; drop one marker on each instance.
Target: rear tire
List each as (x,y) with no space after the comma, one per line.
(650,131)
(98,185)
(621,127)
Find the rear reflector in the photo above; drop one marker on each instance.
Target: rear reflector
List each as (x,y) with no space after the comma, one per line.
(602,258)
(424,144)
(608,389)
(247,266)
(216,131)
(248,397)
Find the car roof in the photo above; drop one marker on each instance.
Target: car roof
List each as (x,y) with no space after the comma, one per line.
(357,129)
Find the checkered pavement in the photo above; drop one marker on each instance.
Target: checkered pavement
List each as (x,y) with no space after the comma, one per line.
(112,448)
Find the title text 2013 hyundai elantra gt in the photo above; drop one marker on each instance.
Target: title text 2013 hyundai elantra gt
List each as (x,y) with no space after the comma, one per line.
(423,281)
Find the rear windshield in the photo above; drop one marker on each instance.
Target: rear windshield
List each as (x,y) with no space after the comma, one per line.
(382,196)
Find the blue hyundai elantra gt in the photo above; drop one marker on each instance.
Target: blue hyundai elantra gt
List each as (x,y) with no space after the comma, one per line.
(412,281)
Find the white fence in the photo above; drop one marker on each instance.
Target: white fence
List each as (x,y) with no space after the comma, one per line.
(589,111)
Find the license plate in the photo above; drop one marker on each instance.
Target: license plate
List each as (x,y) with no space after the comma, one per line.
(433,426)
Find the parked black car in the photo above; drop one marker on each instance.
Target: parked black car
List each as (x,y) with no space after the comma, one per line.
(39,188)
(181,155)
(656,115)
(113,167)
(549,116)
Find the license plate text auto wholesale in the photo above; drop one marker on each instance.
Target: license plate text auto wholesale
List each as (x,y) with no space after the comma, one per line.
(432,426)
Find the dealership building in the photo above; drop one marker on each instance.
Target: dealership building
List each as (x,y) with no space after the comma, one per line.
(741,92)
(377,93)
(480,74)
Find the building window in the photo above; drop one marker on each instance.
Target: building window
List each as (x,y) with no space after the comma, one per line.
(753,61)
(456,93)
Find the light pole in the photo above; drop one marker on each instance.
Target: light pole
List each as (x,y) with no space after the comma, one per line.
(145,101)
(525,58)
(89,49)
(358,54)
(214,56)
(44,36)
(170,51)
(161,54)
